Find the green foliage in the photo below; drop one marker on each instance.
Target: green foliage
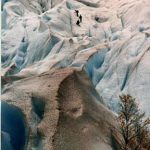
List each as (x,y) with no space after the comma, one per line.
(133,127)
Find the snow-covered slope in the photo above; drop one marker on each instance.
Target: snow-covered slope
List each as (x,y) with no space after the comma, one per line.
(112,44)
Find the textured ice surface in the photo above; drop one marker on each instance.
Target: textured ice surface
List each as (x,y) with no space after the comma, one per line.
(123,70)
(41,35)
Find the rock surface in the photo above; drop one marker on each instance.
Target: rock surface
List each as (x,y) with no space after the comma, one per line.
(111,46)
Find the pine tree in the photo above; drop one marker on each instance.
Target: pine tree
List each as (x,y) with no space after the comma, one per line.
(133,127)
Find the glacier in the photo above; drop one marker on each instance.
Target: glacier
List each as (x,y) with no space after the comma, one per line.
(38,36)
(111,46)
(13,126)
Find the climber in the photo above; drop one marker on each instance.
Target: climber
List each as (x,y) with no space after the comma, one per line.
(80,17)
(23,39)
(97,18)
(78,23)
(77,12)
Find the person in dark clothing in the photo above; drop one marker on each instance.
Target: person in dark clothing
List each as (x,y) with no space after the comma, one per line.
(80,17)
(77,12)
(97,19)
(78,23)
(23,39)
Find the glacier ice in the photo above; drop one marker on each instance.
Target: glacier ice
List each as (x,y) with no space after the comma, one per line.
(53,71)
(112,44)
(13,127)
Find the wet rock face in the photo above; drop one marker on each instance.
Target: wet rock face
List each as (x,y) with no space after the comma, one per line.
(107,55)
